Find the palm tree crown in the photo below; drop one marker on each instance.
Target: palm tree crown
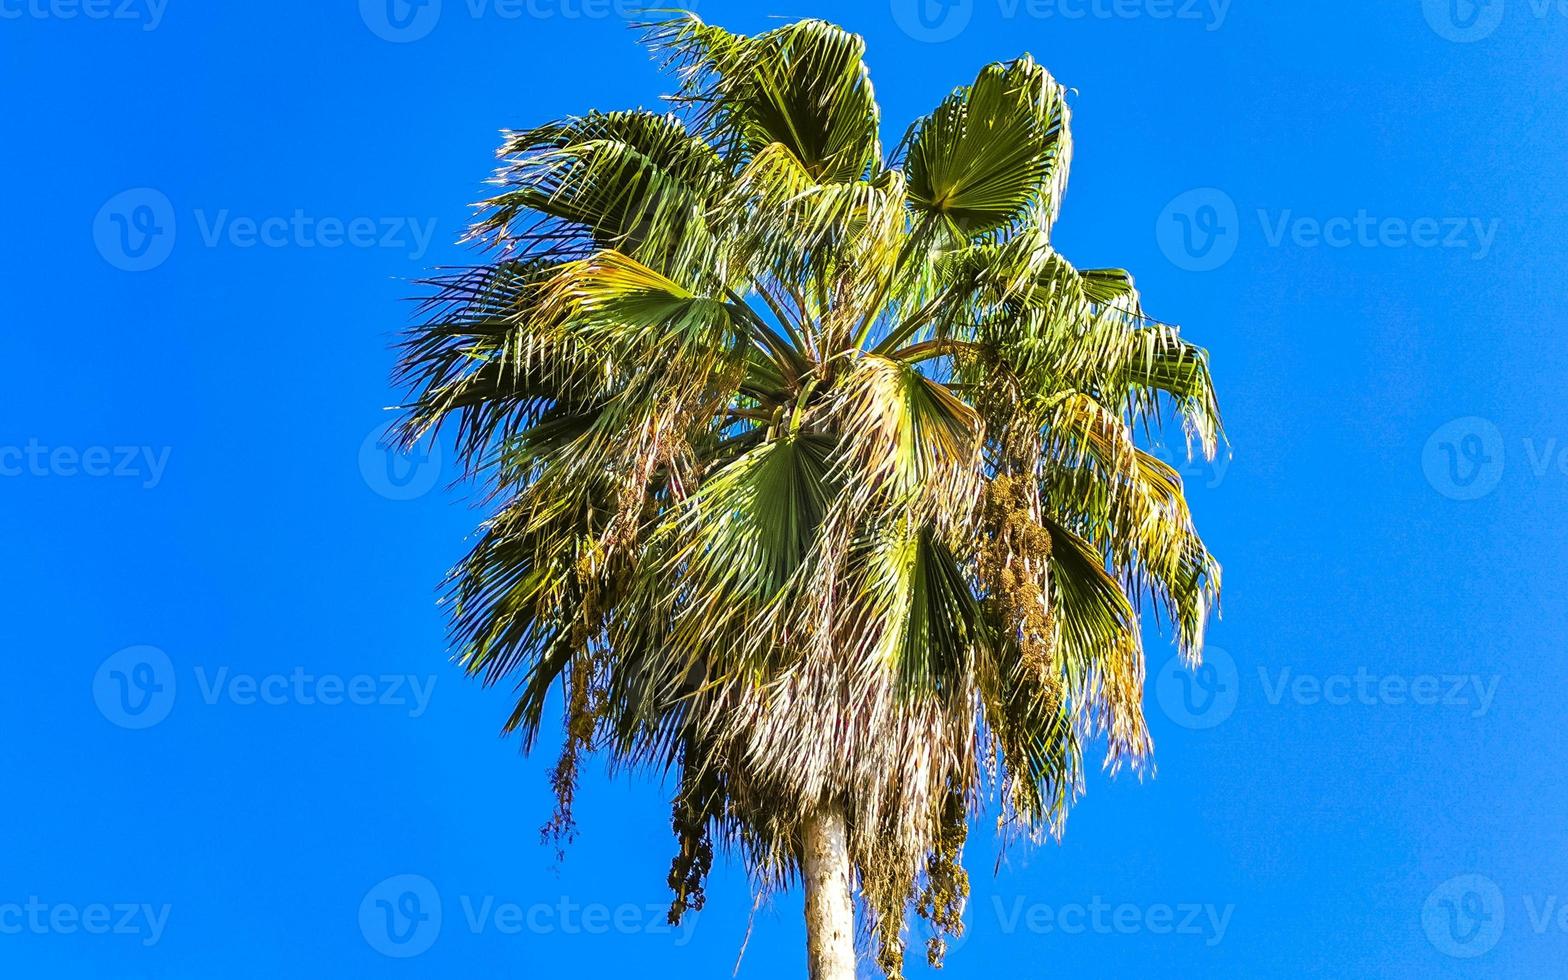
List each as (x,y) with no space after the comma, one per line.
(813,464)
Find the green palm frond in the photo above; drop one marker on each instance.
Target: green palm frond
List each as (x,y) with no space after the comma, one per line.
(803,86)
(633,181)
(995,153)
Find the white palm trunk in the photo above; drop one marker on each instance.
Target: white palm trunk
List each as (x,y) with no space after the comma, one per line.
(830,912)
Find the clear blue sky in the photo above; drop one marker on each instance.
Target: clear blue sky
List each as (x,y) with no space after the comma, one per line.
(1358,207)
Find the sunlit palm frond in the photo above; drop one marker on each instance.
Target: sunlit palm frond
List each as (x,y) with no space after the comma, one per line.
(995,154)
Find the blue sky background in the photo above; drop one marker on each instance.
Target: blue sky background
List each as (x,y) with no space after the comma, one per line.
(1358,207)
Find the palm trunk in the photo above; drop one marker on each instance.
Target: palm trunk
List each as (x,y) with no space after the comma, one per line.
(830,913)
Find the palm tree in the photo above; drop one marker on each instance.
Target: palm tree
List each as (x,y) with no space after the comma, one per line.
(813,471)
